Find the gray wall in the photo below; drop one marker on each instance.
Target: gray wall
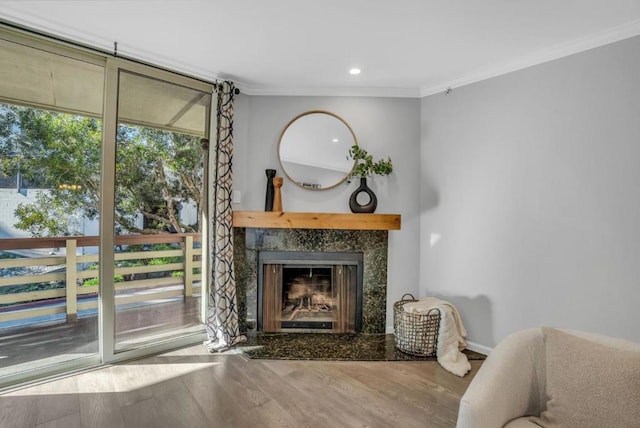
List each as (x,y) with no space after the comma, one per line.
(531,181)
(384,126)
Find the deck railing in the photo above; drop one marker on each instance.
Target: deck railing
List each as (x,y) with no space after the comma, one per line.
(147,275)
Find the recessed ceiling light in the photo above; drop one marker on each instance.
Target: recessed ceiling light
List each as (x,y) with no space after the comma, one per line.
(354,71)
(335,140)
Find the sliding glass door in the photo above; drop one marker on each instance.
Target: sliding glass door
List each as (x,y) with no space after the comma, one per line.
(51,100)
(101,207)
(158,206)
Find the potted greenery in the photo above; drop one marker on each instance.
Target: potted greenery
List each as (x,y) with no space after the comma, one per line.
(365,167)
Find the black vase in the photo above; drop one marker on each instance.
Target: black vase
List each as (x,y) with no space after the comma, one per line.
(369,207)
(268,200)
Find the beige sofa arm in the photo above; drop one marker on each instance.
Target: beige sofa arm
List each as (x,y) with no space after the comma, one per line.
(507,386)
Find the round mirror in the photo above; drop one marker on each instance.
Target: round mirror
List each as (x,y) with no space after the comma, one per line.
(313,150)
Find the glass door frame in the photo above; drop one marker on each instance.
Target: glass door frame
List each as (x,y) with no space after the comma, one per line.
(106,304)
(46,44)
(106,298)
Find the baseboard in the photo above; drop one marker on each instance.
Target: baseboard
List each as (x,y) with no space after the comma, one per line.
(470,345)
(479,348)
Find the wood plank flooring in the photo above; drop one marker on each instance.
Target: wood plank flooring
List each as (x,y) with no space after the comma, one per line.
(192,388)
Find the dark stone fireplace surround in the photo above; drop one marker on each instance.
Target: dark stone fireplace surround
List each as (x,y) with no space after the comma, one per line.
(249,242)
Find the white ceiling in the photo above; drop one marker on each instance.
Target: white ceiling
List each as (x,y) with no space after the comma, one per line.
(406,48)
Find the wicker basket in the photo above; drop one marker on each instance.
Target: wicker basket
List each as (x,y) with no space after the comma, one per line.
(415,334)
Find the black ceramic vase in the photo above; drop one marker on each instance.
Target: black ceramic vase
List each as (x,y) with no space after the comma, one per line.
(268,200)
(369,207)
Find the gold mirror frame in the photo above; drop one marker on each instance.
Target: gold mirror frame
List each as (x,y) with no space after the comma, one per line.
(307,163)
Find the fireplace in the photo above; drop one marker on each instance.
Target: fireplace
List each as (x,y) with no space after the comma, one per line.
(251,242)
(300,291)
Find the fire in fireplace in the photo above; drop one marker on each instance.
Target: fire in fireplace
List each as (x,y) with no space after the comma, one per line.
(309,291)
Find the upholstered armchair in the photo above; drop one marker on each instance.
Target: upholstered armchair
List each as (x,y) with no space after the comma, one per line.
(555,378)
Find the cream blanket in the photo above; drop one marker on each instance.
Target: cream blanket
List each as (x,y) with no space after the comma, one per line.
(451,334)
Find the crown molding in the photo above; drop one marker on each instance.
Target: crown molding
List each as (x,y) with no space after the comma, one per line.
(98,43)
(572,47)
(333,92)
(55,29)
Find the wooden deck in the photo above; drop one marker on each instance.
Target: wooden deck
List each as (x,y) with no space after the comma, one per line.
(37,345)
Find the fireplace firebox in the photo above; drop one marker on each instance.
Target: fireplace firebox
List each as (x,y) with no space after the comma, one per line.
(302,291)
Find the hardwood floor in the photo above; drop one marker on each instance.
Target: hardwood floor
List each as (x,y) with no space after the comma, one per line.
(192,388)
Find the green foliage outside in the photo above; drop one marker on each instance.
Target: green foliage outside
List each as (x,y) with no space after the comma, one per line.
(156,261)
(95,281)
(157,247)
(156,172)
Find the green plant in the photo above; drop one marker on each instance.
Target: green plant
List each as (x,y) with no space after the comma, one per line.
(164,260)
(128,263)
(365,166)
(90,281)
(158,261)
(96,281)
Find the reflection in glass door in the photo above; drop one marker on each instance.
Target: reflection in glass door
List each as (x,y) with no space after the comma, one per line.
(158,207)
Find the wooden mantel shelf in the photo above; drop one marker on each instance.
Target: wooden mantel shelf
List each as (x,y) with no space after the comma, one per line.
(296,220)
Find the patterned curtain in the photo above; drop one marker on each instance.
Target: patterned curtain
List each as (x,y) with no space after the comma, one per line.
(222,316)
